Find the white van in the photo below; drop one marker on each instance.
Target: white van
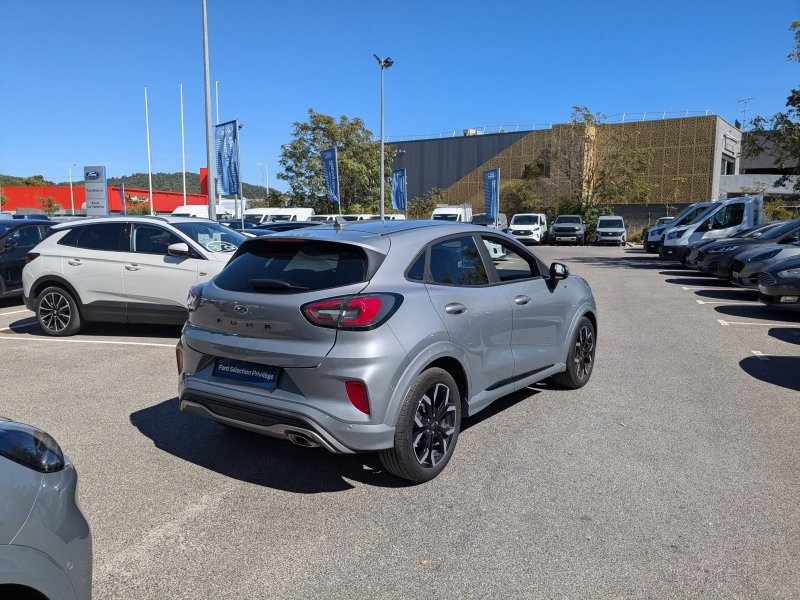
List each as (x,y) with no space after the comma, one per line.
(392,217)
(654,234)
(200,211)
(361,217)
(722,219)
(323,218)
(446,212)
(529,227)
(259,215)
(292,214)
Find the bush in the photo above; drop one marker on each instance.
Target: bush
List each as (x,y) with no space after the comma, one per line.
(635,236)
(49,205)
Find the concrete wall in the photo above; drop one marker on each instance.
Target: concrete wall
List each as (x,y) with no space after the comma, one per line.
(440,162)
(732,184)
(728,140)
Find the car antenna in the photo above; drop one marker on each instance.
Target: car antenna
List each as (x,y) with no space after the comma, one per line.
(340,223)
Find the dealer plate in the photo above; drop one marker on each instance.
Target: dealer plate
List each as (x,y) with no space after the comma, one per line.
(247,372)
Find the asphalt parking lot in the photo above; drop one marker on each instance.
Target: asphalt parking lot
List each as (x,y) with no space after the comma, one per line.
(673,473)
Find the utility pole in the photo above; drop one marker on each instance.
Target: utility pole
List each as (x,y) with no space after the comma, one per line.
(385,64)
(183,150)
(744,101)
(149,168)
(71,197)
(212,200)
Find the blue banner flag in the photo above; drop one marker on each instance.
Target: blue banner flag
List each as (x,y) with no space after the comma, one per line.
(491,192)
(330,167)
(399,189)
(226,151)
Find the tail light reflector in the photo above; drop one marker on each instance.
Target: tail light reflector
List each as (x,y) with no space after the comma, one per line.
(179,359)
(195,295)
(359,313)
(357,394)
(31,256)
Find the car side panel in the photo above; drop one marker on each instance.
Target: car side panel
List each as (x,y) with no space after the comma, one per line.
(19,487)
(21,565)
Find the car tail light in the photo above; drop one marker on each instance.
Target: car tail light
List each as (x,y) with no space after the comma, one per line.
(194,298)
(357,394)
(359,313)
(179,359)
(31,256)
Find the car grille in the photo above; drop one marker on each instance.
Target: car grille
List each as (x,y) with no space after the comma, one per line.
(609,233)
(565,229)
(738,266)
(766,279)
(700,255)
(521,232)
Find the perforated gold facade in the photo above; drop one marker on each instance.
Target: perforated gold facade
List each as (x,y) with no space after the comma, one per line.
(680,149)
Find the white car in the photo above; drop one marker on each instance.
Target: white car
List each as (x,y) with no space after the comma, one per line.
(122,269)
(529,227)
(201,211)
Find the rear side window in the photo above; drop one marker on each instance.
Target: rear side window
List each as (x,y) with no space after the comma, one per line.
(457,262)
(104,236)
(275,266)
(417,271)
(70,237)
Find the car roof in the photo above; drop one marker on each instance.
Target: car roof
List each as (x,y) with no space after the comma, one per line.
(169,219)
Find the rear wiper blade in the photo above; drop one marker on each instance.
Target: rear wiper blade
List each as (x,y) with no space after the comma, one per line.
(274,284)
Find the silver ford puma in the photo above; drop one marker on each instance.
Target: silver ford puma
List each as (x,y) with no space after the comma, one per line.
(380,337)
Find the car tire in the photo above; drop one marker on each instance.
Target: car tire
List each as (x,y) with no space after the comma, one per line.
(580,360)
(440,416)
(583,241)
(57,312)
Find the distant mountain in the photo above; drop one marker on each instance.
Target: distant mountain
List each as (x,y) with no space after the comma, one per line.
(168,182)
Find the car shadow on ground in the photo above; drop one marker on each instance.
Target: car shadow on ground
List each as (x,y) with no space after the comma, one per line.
(790,335)
(505,403)
(783,371)
(699,281)
(15,301)
(758,311)
(632,260)
(30,326)
(731,294)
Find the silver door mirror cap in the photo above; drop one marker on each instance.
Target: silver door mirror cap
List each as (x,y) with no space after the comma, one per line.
(181,250)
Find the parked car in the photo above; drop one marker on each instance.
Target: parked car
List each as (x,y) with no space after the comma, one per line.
(656,235)
(17,238)
(690,255)
(323,218)
(242,223)
(779,284)
(448,212)
(659,222)
(45,541)
(501,224)
(31,216)
(747,265)
(391,217)
(610,230)
(279,226)
(259,215)
(529,227)
(353,218)
(291,214)
(720,220)
(122,269)
(379,337)
(568,228)
(201,211)
(718,259)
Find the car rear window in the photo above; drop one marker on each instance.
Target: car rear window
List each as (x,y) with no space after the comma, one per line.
(274,266)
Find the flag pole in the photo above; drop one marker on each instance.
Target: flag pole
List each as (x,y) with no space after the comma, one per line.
(149,168)
(183,149)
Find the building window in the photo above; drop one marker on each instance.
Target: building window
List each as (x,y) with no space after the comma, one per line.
(728,165)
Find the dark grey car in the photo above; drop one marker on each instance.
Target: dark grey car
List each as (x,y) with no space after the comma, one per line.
(380,336)
(45,541)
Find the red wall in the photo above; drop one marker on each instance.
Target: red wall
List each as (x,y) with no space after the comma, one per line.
(25,197)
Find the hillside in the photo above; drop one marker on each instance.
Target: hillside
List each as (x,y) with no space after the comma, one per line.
(169,182)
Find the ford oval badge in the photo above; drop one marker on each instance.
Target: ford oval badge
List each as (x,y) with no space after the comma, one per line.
(92,175)
(242,310)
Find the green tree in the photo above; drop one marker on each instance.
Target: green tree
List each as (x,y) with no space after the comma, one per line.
(358,155)
(3,199)
(421,207)
(49,205)
(520,196)
(137,205)
(780,133)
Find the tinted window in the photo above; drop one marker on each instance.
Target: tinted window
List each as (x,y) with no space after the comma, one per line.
(508,263)
(274,266)
(26,237)
(69,238)
(572,220)
(211,236)
(417,270)
(445,217)
(4,228)
(457,262)
(104,236)
(152,240)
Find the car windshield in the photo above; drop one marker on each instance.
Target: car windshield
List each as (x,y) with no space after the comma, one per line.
(212,236)
(690,216)
(610,223)
(4,228)
(445,217)
(664,220)
(318,218)
(574,220)
(781,231)
(525,220)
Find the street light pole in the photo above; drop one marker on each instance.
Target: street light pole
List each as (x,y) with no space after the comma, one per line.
(266,178)
(71,197)
(183,150)
(212,200)
(385,64)
(149,168)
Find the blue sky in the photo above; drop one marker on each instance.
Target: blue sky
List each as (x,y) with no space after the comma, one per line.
(73,72)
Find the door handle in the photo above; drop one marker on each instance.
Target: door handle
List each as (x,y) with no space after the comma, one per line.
(75,262)
(522,300)
(455,308)
(132,267)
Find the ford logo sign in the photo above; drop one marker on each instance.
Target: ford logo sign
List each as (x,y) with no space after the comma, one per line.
(92,175)
(242,310)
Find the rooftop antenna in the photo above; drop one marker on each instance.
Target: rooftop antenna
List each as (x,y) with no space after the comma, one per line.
(744,102)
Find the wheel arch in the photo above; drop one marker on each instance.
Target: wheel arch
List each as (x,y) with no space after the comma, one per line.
(47,280)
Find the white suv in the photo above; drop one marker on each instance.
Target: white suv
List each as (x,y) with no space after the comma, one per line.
(122,269)
(529,227)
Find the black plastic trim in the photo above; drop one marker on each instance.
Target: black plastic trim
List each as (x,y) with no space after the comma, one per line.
(516,378)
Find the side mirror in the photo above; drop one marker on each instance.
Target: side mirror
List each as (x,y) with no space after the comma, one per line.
(8,246)
(559,271)
(179,250)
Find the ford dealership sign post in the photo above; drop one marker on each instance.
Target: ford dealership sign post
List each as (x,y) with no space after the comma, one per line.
(96,198)
(491,193)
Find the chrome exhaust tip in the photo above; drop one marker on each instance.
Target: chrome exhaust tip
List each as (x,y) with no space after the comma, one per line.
(301,440)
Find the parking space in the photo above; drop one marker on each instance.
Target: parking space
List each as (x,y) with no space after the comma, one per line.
(674,472)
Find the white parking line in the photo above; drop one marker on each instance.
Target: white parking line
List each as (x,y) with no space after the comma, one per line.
(38,339)
(721,322)
(722,302)
(14,312)
(707,287)
(759,355)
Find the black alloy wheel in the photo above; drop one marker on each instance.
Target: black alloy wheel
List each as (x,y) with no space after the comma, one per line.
(580,359)
(57,312)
